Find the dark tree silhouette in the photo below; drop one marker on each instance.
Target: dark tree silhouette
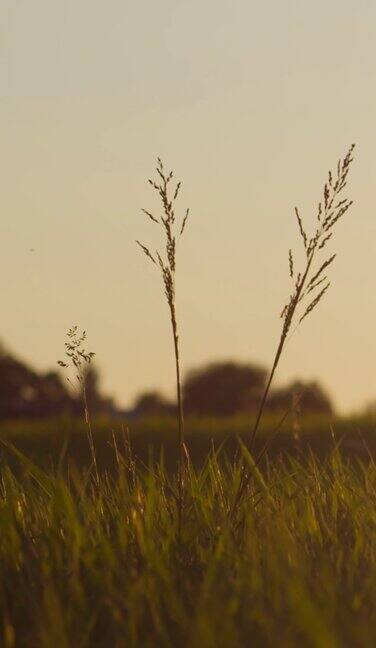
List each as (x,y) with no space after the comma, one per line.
(153,404)
(312,399)
(24,393)
(97,403)
(223,389)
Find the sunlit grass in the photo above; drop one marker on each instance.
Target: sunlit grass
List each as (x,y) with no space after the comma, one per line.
(99,564)
(106,544)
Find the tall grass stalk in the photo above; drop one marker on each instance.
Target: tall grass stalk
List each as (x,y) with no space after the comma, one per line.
(78,359)
(167,265)
(310,283)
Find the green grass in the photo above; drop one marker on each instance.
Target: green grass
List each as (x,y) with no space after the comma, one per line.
(101,564)
(44,441)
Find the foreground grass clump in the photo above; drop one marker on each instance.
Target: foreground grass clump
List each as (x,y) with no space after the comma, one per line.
(87,563)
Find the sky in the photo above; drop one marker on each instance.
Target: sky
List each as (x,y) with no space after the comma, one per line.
(250,103)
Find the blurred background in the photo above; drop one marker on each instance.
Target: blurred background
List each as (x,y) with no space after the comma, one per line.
(221,389)
(250,103)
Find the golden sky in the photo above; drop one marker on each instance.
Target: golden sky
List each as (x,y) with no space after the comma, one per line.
(250,103)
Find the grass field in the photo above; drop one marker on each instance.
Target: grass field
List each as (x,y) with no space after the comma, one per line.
(194,533)
(88,563)
(62,441)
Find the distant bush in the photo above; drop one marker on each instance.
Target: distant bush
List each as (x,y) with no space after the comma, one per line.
(229,388)
(223,388)
(153,404)
(311,396)
(25,393)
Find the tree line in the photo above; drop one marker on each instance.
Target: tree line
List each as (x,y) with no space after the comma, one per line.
(218,389)
(231,388)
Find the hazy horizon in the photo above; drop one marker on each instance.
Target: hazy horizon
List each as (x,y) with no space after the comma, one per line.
(250,105)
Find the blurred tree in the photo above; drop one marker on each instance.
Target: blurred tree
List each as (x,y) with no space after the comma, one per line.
(18,387)
(153,404)
(313,398)
(223,389)
(370,409)
(53,397)
(24,393)
(97,403)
